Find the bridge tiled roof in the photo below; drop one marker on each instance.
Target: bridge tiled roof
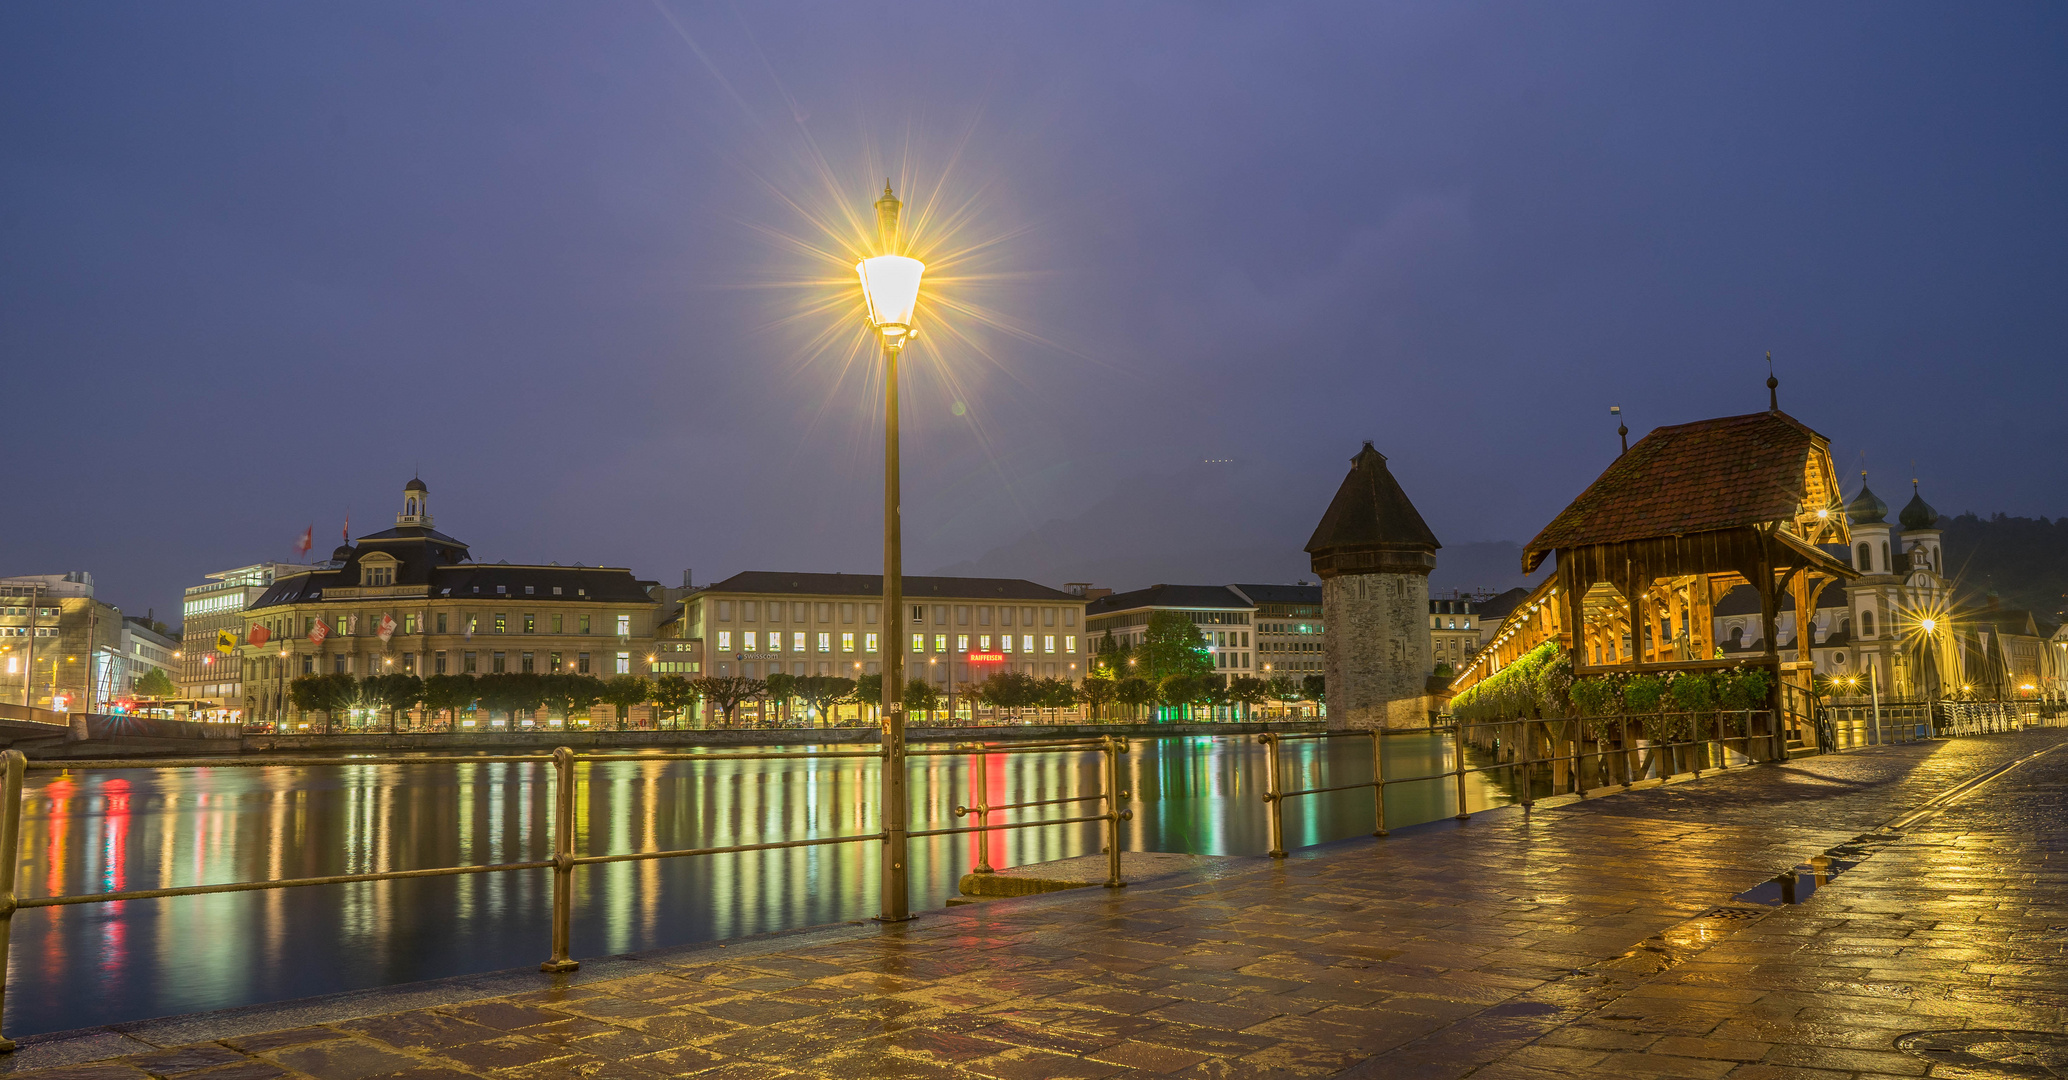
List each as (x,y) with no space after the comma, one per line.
(1710,475)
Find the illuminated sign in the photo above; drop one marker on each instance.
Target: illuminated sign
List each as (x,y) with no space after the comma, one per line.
(986,658)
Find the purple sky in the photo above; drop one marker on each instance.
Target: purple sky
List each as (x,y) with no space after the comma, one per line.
(259,263)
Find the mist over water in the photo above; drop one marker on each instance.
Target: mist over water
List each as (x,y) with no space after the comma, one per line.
(105,831)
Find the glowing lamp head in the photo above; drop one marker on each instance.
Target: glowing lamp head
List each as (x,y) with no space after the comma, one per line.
(890,285)
(1930,625)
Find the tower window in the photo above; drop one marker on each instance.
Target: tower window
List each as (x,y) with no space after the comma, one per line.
(1866,558)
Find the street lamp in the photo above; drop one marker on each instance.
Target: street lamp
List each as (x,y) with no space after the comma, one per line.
(890,290)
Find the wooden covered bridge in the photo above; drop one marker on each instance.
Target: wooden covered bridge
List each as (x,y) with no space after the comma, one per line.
(1678,520)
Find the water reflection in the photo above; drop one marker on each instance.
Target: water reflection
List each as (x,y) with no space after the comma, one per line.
(102,831)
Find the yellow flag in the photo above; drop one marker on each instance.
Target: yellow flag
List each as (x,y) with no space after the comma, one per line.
(225,641)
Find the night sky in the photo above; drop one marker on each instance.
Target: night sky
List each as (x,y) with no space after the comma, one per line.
(583,268)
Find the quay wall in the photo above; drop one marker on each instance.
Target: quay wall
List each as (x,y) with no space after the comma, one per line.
(654,740)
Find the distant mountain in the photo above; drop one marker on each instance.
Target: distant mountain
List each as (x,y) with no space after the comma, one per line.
(1177,528)
(2025,560)
(1482,566)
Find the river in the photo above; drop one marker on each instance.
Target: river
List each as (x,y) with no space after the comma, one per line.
(112,830)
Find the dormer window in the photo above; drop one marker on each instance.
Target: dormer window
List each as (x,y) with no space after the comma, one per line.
(380,575)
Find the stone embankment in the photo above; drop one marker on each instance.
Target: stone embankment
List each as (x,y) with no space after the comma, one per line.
(1633,935)
(604,739)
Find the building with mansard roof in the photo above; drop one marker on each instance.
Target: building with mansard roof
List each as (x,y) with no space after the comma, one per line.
(412,600)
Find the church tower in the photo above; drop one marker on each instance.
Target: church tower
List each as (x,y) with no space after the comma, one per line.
(1374,553)
(416,505)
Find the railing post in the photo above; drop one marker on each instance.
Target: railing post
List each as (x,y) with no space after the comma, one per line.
(1458,741)
(1629,748)
(983,809)
(563,859)
(1526,755)
(15,764)
(1274,813)
(1378,775)
(1114,748)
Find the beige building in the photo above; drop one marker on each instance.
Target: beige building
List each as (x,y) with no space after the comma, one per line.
(411,600)
(60,649)
(207,676)
(958,630)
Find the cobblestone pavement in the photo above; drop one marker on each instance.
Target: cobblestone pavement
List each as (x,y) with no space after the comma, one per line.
(1580,939)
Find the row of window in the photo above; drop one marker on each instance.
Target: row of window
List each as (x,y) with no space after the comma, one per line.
(754,640)
(1290,628)
(822,611)
(23,631)
(470,663)
(45,612)
(416,623)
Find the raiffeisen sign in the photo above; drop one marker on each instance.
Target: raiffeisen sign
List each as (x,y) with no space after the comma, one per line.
(986,658)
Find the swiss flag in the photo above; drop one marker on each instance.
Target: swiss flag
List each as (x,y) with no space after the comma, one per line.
(385,628)
(318,632)
(258,635)
(308,540)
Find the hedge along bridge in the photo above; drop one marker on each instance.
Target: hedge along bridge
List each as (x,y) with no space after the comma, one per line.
(1643,555)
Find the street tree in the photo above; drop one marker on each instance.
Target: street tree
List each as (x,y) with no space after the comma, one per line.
(1248,690)
(674,695)
(1172,645)
(868,690)
(781,687)
(157,684)
(922,696)
(1098,691)
(820,692)
(1134,692)
(725,692)
(449,694)
(624,691)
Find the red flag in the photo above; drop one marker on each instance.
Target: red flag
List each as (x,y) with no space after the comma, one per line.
(258,634)
(348,526)
(385,628)
(308,540)
(318,632)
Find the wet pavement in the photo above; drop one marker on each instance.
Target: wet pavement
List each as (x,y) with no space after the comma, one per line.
(1598,938)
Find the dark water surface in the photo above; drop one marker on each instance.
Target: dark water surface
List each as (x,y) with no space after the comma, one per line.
(112,830)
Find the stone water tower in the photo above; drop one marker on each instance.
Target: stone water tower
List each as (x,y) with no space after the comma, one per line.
(1374,554)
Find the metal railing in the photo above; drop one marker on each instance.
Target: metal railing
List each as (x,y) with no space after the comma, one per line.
(1520,741)
(14,767)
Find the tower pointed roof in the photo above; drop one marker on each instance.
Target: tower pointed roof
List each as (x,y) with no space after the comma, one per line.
(1370,516)
(1918,514)
(1866,508)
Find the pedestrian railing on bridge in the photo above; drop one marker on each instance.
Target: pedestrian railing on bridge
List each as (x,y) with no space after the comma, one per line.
(14,767)
(1564,756)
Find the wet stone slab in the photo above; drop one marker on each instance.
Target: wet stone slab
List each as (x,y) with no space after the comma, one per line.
(1582,939)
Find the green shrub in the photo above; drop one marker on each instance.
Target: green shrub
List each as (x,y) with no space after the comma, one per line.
(1744,688)
(1515,690)
(1692,691)
(1643,693)
(1596,695)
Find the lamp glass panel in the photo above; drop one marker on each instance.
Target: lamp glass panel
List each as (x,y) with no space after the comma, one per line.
(890,284)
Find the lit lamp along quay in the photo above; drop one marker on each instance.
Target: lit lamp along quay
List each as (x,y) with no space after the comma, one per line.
(448,864)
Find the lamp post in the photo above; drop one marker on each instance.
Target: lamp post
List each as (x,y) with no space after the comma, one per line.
(890,288)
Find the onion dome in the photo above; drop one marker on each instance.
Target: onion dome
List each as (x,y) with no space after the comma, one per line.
(1919,514)
(343,553)
(416,485)
(1866,508)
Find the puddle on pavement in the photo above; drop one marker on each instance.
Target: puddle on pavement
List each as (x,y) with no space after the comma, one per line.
(1797,885)
(1676,944)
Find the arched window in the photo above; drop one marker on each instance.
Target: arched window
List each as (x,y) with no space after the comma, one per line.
(1884,555)
(1866,624)
(1866,562)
